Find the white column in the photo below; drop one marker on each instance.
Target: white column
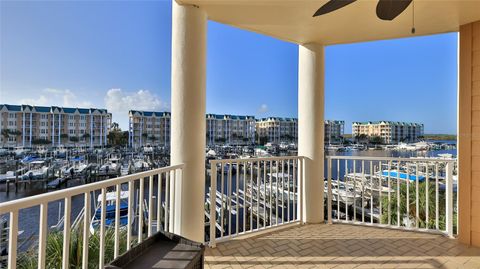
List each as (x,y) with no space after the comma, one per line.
(91,131)
(23,129)
(53,129)
(189,36)
(59,129)
(101,131)
(31,126)
(311,128)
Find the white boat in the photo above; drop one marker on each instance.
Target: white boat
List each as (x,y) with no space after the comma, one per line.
(37,170)
(112,166)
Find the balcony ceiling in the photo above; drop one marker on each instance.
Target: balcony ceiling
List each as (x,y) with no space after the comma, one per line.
(291,20)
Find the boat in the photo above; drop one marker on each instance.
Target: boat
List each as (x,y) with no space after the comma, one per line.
(19,151)
(148,148)
(110,210)
(37,170)
(78,167)
(112,166)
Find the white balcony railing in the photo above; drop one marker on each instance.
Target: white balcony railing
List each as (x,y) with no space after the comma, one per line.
(249,195)
(136,212)
(408,193)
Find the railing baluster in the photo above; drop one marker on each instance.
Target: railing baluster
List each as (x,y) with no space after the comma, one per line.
(276,193)
(380,189)
(264,194)
(288,186)
(117,221)
(245,167)
(437,203)
(237,197)
(42,235)
(295,191)
(140,210)
(12,240)
(364,181)
(222,196)
(346,188)
(251,196)
(259,172)
(407,175)
(372,173)
(229,199)
(130,213)
(398,194)
(355,191)
(213,204)
(167,202)
(300,190)
(417,204)
(86,231)
(283,191)
(329,190)
(150,206)
(66,233)
(159,201)
(103,210)
(338,189)
(427,196)
(389,186)
(449,198)
(270,192)
(173,183)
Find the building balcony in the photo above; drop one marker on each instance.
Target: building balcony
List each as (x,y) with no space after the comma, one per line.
(254,215)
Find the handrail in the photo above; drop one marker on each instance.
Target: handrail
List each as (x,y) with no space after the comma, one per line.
(371,190)
(273,199)
(369,158)
(60,194)
(165,175)
(273,158)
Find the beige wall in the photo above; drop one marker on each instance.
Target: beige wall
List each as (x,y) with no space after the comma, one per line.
(469,134)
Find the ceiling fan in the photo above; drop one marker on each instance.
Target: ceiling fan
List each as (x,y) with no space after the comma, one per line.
(386,9)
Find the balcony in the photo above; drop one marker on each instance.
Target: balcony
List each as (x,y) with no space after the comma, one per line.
(342,246)
(258,217)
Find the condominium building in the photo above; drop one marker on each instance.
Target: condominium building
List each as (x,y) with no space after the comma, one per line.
(391,132)
(230,129)
(154,128)
(334,131)
(147,127)
(277,130)
(27,126)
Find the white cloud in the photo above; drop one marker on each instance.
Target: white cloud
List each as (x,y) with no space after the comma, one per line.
(263,109)
(120,102)
(56,97)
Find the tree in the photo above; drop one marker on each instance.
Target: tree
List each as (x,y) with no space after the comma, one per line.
(117,137)
(63,137)
(6,133)
(86,136)
(74,139)
(41,141)
(376,140)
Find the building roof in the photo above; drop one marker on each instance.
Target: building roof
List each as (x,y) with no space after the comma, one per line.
(387,122)
(56,109)
(291,20)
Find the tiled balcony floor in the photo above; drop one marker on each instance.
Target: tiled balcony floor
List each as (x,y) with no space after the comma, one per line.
(342,246)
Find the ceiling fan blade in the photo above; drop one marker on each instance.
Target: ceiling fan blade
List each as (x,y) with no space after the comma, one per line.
(390,9)
(332,5)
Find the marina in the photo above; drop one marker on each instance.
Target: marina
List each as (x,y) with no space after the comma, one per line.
(254,195)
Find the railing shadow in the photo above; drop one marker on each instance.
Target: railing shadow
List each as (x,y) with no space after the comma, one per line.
(340,244)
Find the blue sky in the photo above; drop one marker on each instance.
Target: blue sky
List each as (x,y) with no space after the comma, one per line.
(116,54)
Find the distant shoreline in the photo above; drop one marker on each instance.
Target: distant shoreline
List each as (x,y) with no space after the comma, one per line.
(428,136)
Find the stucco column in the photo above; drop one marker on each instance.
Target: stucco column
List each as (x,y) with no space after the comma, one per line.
(189,35)
(311,128)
